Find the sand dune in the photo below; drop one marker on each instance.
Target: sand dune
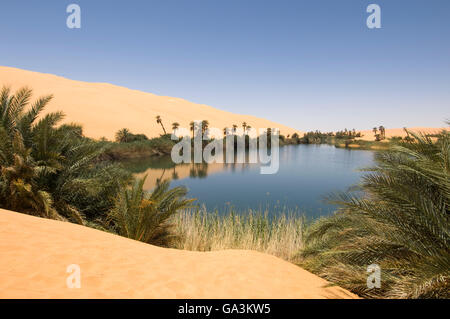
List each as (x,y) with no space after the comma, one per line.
(105,108)
(35,254)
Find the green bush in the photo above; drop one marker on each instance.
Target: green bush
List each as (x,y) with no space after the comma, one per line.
(138,149)
(146,216)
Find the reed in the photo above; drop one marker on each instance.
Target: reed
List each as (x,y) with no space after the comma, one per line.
(279,235)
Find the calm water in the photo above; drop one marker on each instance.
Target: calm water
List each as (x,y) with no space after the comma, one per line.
(307,173)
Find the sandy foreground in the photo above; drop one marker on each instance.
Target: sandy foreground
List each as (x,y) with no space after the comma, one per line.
(36,252)
(103,108)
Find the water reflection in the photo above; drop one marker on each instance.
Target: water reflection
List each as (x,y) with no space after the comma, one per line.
(160,169)
(307,173)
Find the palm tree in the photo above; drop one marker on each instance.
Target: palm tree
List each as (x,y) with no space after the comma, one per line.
(175,126)
(146,216)
(382,132)
(123,135)
(248,129)
(269,136)
(234,128)
(159,121)
(244,126)
(374,131)
(205,125)
(225,131)
(19,172)
(401,223)
(46,170)
(19,188)
(408,138)
(192,128)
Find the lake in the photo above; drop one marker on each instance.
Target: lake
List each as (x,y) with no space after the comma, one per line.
(306,175)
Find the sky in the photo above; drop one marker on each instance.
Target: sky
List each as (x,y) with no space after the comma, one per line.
(307,64)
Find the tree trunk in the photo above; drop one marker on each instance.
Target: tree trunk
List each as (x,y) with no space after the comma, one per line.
(162,125)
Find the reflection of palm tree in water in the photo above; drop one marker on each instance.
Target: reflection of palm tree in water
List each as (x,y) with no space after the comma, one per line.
(202,170)
(199,170)
(158,180)
(174,174)
(192,172)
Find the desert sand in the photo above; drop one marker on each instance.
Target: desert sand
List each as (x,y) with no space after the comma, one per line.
(36,252)
(104,108)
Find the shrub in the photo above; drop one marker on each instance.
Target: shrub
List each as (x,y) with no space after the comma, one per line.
(125,136)
(146,216)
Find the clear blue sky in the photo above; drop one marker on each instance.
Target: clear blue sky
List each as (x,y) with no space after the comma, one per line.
(307,64)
